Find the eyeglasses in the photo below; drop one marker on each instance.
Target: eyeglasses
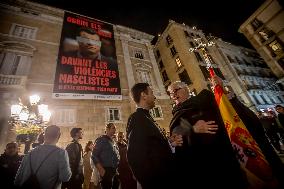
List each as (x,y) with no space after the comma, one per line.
(174,91)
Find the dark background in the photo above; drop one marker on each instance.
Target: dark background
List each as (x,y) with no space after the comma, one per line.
(220,18)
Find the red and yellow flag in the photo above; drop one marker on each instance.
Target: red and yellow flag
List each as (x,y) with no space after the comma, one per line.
(253,162)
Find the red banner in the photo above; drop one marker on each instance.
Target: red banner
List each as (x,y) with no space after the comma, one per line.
(87,64)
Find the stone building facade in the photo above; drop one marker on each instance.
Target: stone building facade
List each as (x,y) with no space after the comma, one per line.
(265,31)
(175,60)
(241,69)
(249,76)
(29,43)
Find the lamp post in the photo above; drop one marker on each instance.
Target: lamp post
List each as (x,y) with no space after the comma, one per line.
(29,120)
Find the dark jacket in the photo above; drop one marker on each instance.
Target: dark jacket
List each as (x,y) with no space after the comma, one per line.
(106,152)
(149,154)
(205,160)
(8,169)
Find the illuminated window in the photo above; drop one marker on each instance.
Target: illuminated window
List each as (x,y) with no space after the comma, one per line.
(275,46)
(178,62)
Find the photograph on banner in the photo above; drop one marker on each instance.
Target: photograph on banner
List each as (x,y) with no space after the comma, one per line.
(87,64)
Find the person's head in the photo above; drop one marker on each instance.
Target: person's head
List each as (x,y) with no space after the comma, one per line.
(143,95)
(110,130)
(279,109)
(76,133)
(179,92)
(120,136)
(259,114)
(89,42)
(89,146)
(52,134)
(11,149)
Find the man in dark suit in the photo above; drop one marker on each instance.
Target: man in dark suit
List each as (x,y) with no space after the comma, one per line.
(206,158)
(149,151)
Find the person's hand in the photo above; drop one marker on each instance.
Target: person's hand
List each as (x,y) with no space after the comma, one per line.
(176,140)
(215,80)
(102,171)
(208,127)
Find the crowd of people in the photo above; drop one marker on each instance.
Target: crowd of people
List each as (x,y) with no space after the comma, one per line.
(196,153)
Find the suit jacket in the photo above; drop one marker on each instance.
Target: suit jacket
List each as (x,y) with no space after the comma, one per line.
(149,154)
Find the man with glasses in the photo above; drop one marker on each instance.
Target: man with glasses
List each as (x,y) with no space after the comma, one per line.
(206,158)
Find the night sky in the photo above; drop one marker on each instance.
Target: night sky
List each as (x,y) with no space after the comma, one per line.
(220,18)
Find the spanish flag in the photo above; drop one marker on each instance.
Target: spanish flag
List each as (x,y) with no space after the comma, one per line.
(253,162)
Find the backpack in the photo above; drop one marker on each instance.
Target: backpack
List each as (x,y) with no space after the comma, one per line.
(32,181)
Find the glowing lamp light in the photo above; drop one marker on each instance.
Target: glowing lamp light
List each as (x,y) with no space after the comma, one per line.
(16,110)
(34,99)
(24,116)
(42,108)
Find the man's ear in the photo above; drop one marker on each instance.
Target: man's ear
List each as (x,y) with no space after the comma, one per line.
(143,94)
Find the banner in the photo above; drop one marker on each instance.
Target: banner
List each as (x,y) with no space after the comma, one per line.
(87,64)
(253,162)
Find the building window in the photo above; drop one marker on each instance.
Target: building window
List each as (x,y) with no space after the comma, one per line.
(144,76)
(265,34)
(10,63)
(205,72)
(256,24)
(230,58)
(165,76)
(156,112)
(255,99)
(139,54)
(219,73)
(276,47)
(158,54)
(169,40)
(185,77)
(113,114)
(264,100)
(64,117)
(186,33)
(173,50)
(23,31)
(192,44)
(238,60)
(271,100)
(161,64)
(178,62)
(198,56)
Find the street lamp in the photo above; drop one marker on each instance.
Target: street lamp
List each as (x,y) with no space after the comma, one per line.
(29,120)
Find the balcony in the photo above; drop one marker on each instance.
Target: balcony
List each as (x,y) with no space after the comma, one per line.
(12,81)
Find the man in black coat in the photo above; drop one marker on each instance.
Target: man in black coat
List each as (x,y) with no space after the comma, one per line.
(206,159)
(149,152)
(75,154)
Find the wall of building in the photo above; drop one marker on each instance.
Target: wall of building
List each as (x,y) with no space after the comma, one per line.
(265,31)
(40,54)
